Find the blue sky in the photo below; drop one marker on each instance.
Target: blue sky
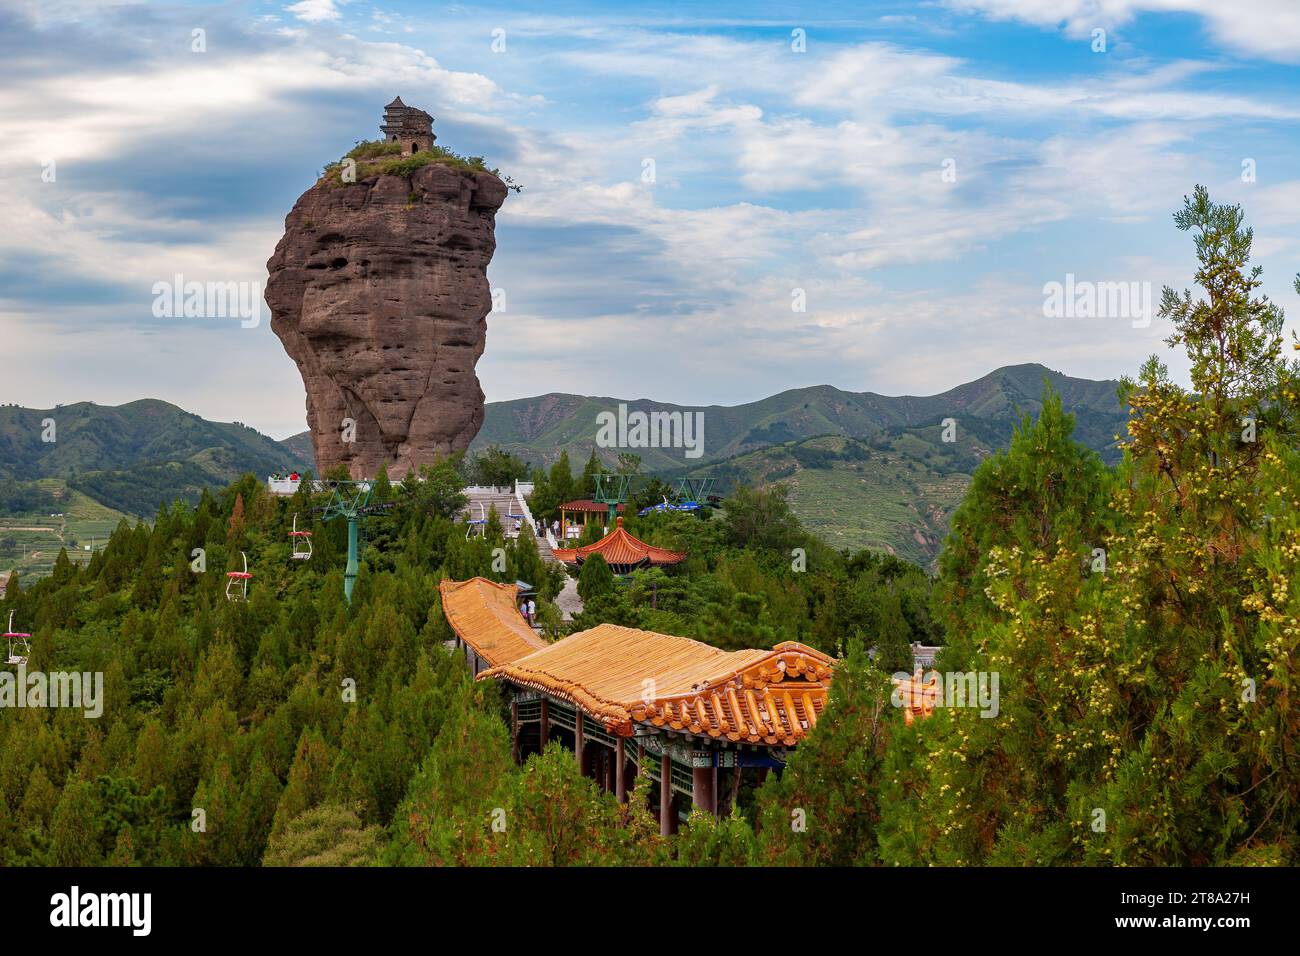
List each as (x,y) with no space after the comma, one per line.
(774,170)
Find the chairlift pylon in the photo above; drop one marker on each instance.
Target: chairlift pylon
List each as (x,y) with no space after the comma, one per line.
(20,644)
(301,541)
(240,578)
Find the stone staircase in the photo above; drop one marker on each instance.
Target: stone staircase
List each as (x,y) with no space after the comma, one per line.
(507,502)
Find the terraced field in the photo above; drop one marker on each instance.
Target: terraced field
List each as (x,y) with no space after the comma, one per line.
(886,506)
(895,493)
(30,543)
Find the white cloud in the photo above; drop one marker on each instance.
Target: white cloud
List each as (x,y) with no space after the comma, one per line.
(315,11)
(1269,28)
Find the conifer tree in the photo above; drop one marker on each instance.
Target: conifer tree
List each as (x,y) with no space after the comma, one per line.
(595,578)
(594,467)
(823,810)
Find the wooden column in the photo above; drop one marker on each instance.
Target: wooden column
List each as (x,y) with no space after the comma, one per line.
(702,788)
(578,743)
(620,772)
(734,791)
(514,730)
(665,795)
(544,727)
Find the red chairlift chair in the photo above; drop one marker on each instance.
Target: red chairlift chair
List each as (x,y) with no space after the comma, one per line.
(20,644)
(301,542)
(237,582)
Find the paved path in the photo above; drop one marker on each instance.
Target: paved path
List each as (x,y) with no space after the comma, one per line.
(568,601)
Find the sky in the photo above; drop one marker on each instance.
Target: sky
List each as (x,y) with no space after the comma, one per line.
(720,201)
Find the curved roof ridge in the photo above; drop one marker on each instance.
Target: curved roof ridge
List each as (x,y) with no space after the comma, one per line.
(488,619)
(620,547)
(624,675)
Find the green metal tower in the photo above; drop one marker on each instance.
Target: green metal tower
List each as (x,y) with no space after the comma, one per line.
(694,489)
(351,500)
(611,491)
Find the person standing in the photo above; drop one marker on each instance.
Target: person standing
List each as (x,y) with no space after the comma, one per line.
(532,611)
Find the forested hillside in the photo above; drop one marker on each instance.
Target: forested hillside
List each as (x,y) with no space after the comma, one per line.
(242,710)
(131,457)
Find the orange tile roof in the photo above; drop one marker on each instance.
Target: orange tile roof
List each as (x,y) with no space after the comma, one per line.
(485,615)
(619,547)
(623,676)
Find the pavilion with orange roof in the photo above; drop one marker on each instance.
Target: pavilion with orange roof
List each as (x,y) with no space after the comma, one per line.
(622,551)
(689,715)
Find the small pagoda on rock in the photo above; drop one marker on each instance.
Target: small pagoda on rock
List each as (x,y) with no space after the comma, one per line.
(622,551)
(411,127)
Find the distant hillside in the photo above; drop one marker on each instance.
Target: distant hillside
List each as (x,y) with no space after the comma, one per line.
(894,492)
(135,456)
(537,429)
(300,447)
(30,538)
(866,470)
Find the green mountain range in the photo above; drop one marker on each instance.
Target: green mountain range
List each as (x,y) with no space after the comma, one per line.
(135,456)
(537,429)
(865,470)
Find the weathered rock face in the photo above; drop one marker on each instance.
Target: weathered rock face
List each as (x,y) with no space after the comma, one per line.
(378,291)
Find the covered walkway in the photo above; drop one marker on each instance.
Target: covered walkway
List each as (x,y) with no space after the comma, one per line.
(691,716)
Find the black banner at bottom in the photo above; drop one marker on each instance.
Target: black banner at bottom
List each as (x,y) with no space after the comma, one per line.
(338,905)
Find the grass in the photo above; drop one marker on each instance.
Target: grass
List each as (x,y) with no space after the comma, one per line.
(882,505)
(378,158)
(859,494)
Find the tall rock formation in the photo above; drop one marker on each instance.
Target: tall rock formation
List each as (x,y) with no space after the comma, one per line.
(378,291)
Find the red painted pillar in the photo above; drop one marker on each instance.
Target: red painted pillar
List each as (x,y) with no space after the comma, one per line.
(665,795)
(545,727)
(702,789)
(620,771)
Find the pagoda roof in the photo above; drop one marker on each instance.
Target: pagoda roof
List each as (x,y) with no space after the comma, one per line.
(485,615)
(586,504)
(396,102)
(623,676)
(620,548)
